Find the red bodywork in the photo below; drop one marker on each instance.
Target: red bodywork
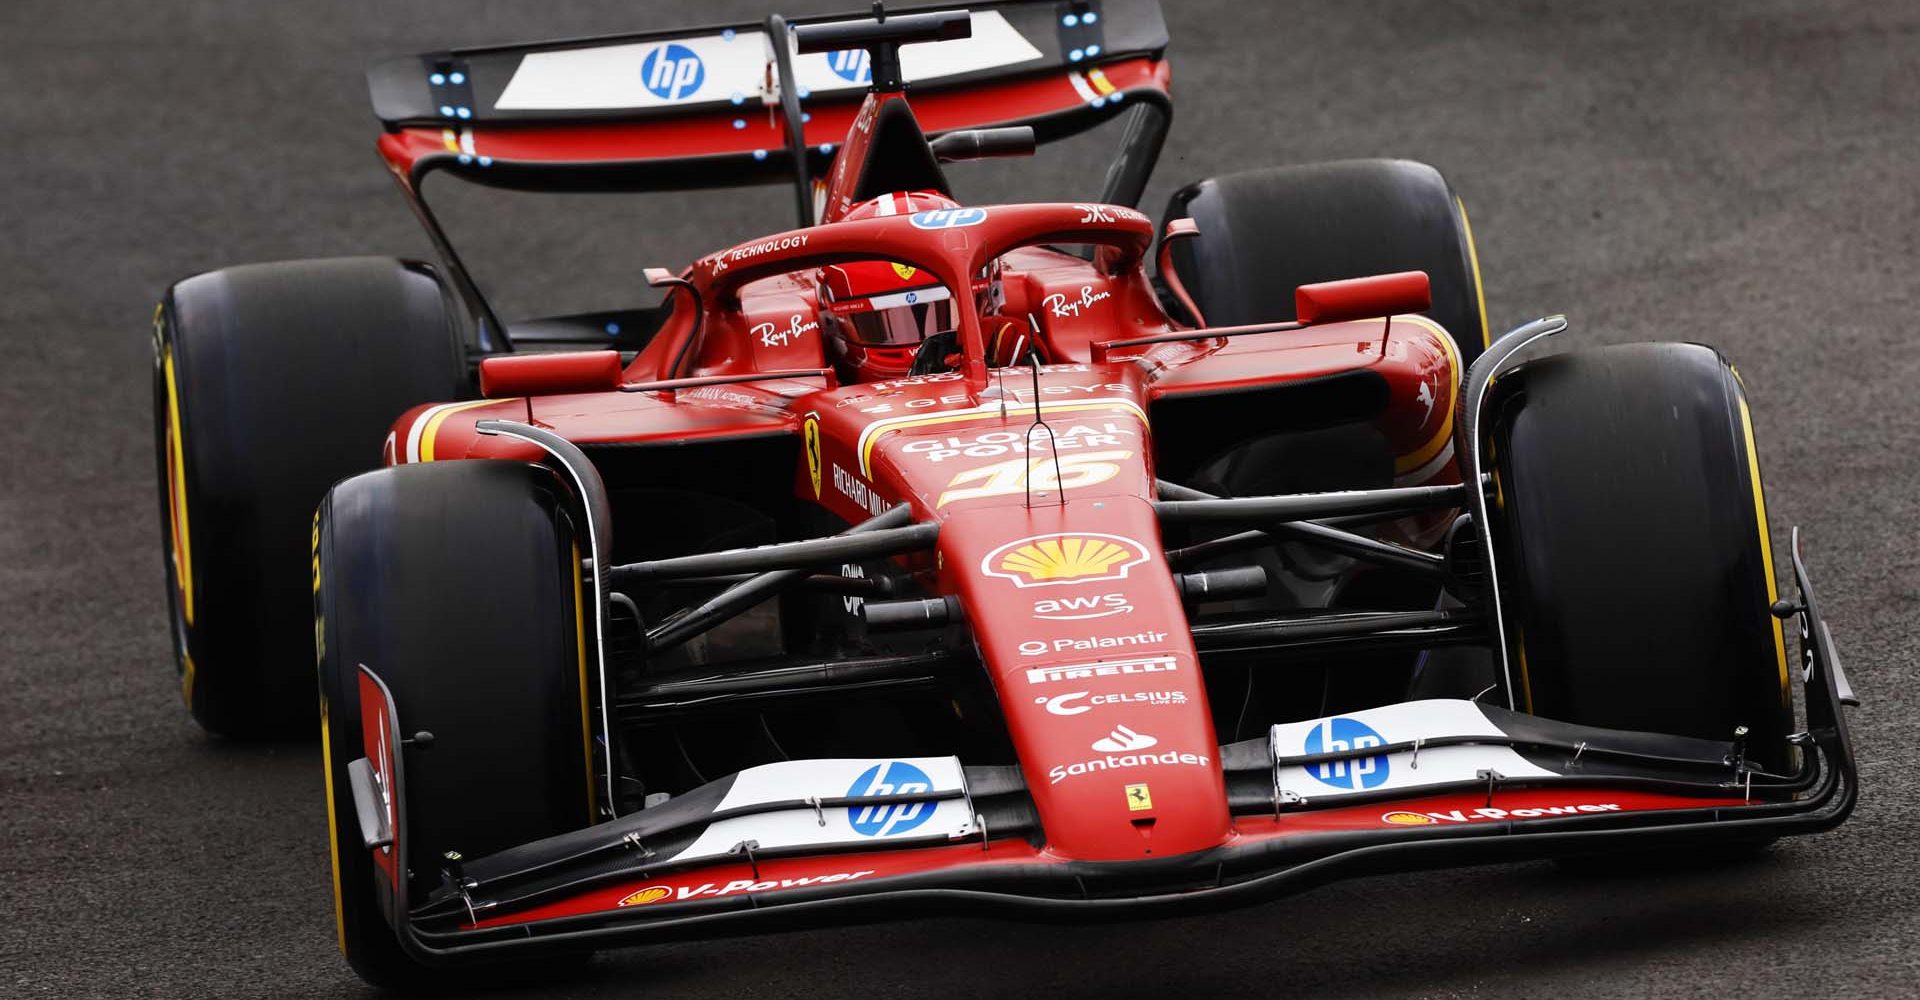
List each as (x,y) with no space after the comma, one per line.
(1055,552)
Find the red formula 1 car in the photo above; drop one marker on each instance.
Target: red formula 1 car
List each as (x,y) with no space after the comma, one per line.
(945,556)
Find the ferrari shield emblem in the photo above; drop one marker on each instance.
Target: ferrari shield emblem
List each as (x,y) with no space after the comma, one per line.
(810,435)
(1139,798)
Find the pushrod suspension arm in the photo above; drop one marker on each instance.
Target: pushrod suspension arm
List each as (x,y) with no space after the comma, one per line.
(1324,536)
(1307,506)
(747,593)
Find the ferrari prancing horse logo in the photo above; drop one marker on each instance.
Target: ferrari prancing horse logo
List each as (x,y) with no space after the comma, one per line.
(810,435)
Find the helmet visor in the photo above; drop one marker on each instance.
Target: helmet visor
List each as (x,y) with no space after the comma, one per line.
(901,319)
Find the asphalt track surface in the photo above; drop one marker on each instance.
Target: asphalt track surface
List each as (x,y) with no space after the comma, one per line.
(1739,173)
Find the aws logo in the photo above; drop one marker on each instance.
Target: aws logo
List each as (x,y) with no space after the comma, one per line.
(1051,560)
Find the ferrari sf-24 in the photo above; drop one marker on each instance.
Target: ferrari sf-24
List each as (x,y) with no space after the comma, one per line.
(945,556)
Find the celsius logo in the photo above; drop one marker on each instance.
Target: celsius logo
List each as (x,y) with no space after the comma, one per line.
(1081,702)
(1122,740)
(851,65)
(672,71)
(1338,735)
(948,218)
(892,778)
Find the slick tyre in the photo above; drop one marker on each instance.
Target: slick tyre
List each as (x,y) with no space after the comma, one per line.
(1264,233)
(270,382)
(1630,529)
(457,584)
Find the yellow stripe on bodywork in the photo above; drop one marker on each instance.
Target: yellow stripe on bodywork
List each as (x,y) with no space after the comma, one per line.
(177,493)
(1419,456)
(1473,257)
(433,424)
(881,428)
(1766,544)
(333,828)
(580,644)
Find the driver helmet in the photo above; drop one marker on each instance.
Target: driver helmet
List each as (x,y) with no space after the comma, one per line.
(879,311)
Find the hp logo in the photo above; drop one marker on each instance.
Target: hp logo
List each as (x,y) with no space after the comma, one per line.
(672,71)
(892,778)
(851,65)
(948,218)
(1338,735)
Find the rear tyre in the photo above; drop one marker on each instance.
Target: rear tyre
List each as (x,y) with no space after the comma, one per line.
(458,584)
(1264,233)
(270,382)
(1633,555)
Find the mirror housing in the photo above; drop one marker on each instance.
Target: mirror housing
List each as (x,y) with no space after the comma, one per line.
(511,375)
(983,143)
(1363,298)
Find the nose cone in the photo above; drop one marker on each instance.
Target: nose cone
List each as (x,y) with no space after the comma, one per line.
(1081,628)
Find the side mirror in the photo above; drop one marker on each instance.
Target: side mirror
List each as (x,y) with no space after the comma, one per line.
(512,375)
(1179,229)
(1362,298)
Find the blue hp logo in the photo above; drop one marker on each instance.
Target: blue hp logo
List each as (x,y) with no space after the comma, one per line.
(948,218)
(851,65)
(672,71)
(1337,736)
(892,778)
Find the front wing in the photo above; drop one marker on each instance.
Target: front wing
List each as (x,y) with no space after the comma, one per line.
(1414,785)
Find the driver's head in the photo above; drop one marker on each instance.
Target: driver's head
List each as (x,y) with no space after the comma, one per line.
(879,312)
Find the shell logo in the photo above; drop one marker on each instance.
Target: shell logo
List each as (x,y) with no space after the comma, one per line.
(905,271)
(651,894)
(1407,819)
(1074,557)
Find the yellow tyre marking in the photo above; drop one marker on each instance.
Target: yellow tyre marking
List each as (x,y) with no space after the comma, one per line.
(333,829)
(1473,257)
(1766,544)
(580,644)
(433,424)
(186,678)
(177,493)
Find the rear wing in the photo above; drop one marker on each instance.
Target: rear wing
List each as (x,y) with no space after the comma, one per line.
(736,104)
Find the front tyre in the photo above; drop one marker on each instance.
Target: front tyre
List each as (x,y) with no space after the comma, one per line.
(459,585)
(1635,568)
